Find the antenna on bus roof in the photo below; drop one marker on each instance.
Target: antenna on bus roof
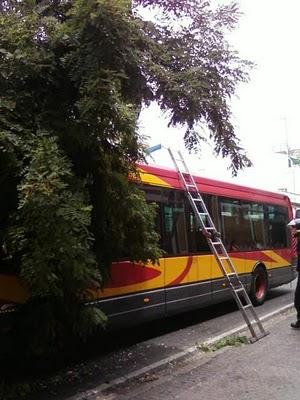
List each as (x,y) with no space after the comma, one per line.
(151,149)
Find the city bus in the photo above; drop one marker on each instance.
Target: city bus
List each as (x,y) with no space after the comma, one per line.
(253,228)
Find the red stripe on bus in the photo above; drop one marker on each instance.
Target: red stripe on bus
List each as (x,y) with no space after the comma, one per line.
(128,273)
(253,255)
(184,273)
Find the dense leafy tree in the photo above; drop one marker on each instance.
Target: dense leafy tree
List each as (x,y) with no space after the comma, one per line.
(75,75)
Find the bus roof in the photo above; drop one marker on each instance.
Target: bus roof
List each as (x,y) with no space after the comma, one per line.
(169,178)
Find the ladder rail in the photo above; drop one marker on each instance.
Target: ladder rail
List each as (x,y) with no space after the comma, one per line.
(217,248)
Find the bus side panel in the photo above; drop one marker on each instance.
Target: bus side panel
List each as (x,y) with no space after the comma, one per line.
(134,293)
(255,258)
(276,262)
(282,270)
(220,288)
(188,283)
(133,309)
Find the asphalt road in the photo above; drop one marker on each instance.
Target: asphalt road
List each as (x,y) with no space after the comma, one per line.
(135,351)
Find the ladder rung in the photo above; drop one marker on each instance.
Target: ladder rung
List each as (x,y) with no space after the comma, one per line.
(247,306)
(197,199)
(214,243)
(240,289)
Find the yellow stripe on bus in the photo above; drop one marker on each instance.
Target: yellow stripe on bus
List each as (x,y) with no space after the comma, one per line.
(152,179)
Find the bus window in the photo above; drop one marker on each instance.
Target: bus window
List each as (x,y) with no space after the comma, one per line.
(154,195)
(242,225)
(196,241)
(173,224)
(277,219)
(253,213)
(230,223)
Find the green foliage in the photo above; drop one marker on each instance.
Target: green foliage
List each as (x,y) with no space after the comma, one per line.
(74,76)
(194,72)
(294,161)
(13,391)
(233,341)
(51,234)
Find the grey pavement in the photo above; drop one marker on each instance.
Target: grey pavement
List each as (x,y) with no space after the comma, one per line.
(165,346)
(154,352)
(267,369)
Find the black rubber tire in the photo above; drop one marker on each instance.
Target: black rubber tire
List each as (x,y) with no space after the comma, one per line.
(259,286)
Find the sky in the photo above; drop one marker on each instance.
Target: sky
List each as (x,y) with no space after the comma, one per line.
(265,110)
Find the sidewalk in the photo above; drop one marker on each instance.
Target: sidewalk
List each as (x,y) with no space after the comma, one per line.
(267,369)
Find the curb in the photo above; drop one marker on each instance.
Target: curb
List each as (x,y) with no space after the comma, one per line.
(90,394)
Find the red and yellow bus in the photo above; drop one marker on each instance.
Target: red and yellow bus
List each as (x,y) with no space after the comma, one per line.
(253,224)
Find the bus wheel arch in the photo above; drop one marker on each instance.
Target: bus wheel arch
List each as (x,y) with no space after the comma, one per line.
(259,285)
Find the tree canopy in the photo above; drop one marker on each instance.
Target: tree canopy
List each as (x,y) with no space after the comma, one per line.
(75,75)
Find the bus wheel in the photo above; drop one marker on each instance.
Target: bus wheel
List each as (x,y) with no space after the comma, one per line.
(259,286)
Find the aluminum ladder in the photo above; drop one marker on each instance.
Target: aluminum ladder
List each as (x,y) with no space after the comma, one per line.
(217,247)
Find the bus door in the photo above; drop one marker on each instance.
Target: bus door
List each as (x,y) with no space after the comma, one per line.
(183,289)
(278,255)
(188,272)
(177,262)
(200,289)
(235,234)
(253,216)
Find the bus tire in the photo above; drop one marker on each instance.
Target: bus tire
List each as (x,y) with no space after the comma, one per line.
(259,286)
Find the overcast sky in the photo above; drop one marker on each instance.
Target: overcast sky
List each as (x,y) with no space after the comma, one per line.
(266,110)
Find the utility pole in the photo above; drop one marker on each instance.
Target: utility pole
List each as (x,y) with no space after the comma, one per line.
(290,153)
